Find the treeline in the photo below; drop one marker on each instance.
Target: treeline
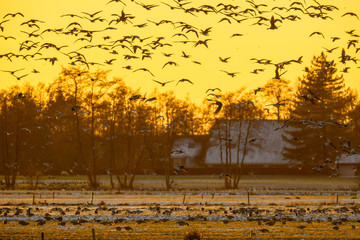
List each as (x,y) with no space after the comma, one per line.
(83,123)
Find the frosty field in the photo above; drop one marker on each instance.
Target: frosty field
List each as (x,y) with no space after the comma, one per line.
(278,212)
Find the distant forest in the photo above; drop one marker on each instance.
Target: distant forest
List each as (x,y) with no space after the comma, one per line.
(84,123)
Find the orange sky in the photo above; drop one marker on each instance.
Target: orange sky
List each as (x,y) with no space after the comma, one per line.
(290,41)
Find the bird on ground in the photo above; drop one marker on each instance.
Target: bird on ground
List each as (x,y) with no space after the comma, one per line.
(182,223)
(24,223)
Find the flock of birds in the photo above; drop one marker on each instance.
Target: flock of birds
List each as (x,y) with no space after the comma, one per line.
(123,218)
(87,31)
(84,31)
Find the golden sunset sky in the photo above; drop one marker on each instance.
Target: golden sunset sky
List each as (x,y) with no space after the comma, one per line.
(290,40)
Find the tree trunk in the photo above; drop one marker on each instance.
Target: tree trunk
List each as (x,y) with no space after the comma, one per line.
(236,184)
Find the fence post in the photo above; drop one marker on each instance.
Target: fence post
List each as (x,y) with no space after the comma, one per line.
(93,233)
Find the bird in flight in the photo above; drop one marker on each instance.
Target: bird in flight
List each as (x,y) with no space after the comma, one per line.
(317,33)
(13,14)
(180,169)
(20,96)
(7,37)
(272,23)
(170,63)
(218,103)
(12,72)
(224,60)
(213,89)
(145,70)
(202,42)
(163,83)
(237,35)
(19,78)
(184,80)
(350,14)
(257,90)
(331,50)
(184,55)
(92,15)
(1,27)
(231,74)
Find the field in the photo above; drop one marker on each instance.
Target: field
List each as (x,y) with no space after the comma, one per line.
(262,208)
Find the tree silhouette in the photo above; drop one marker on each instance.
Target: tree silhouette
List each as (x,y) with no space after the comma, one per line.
(278,95)
(321,101)
(232,131)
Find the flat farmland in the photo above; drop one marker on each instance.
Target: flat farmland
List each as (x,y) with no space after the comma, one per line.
(268,208)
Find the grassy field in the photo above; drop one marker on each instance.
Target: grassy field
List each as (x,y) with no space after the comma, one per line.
(170,216)
(171,230)
(264,207)
(210,183)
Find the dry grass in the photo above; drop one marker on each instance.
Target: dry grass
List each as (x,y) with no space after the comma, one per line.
(202,195)
(171,230)
(187,182)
